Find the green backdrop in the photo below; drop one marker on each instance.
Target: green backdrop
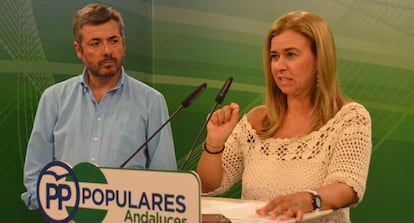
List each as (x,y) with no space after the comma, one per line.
(174,45)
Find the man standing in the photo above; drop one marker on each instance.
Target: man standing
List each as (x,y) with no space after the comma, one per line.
(101,116)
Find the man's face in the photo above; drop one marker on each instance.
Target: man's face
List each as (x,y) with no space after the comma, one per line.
(102,49)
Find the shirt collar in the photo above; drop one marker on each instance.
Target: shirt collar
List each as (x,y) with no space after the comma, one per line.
(85,84)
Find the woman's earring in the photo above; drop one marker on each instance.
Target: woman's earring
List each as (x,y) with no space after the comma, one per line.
(317,80)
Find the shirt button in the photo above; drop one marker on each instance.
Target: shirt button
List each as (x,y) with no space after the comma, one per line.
(93,159)
(99,119)
(95,139)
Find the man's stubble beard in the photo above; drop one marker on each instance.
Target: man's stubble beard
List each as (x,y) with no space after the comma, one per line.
(100,75)
(97,74)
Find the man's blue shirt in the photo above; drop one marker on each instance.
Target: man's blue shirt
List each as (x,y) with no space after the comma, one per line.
(71,126)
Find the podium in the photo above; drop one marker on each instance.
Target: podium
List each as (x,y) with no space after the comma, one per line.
(89,194)
(86,193)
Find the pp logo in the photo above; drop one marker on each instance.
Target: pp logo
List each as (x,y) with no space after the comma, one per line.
(58,192)
(62,194)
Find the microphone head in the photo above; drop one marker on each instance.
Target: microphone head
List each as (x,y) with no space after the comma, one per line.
(222,93)
(191,98)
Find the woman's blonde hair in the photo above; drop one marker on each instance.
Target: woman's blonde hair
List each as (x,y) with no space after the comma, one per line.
(326,96)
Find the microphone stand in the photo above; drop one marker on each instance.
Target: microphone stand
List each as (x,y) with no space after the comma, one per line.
(152,136)
(196,141)
(219,99)
(184,104)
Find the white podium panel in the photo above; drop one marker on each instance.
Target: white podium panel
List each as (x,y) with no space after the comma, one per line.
(243,211)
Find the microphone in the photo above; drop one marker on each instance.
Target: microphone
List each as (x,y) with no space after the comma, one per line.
(191,98)
(220,96)
(184,104)
(219,99)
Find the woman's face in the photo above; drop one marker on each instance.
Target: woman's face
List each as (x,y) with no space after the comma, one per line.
(293,64)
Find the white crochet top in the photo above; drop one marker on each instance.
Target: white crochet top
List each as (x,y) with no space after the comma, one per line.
(339,151)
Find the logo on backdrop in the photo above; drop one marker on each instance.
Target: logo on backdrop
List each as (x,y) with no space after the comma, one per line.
(88,194)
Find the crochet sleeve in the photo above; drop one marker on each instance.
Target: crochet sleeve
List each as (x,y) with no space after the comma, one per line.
(352,152)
